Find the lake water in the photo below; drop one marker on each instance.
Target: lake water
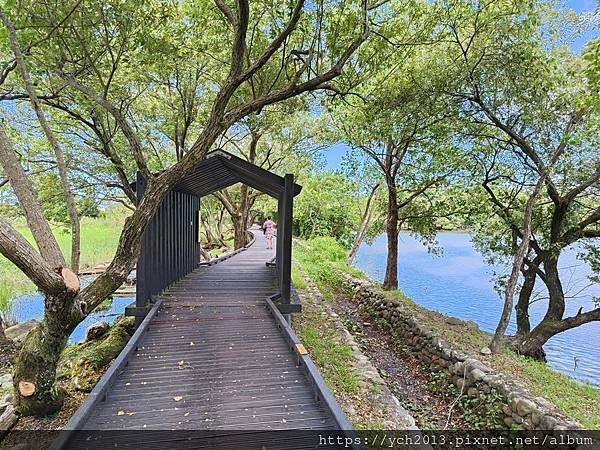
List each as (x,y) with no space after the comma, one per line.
(27,307)
(458,283)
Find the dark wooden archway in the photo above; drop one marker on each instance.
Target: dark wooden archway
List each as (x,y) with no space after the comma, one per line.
(170,248)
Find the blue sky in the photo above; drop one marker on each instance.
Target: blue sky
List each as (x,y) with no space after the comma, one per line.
(333,155)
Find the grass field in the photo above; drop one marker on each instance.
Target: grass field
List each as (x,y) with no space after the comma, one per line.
(323,258)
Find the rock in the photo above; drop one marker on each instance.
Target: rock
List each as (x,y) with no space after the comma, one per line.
(476,375)
(6,381)
(96,331)
(548,423)
(506,410)
(485,351)
(525,406)
(8,419)
(517,419)
(19,332)
(454,321)
(508,421)
(5,401)
(536,417)
(527,425)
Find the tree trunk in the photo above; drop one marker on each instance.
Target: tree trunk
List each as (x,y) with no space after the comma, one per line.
(240,225)
(556,303)
(531,344)
(390,281)
(522,307)
(240,219)
(27,197)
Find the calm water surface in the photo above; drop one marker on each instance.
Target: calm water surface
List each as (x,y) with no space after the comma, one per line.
(458,283)
(27,307)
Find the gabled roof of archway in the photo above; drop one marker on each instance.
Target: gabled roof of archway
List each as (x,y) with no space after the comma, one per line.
(221,169)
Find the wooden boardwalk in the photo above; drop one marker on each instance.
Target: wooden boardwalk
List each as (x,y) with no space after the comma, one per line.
(215,357)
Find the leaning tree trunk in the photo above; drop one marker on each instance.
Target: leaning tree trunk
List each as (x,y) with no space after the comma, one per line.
(390,281)
(516,267)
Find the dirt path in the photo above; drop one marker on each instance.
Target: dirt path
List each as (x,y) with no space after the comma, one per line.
(413,384)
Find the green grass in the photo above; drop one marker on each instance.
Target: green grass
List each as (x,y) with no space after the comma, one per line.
(333,357)
(324,258)
(297,278)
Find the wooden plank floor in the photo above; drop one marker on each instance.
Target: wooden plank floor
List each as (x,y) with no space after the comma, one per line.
(214,359)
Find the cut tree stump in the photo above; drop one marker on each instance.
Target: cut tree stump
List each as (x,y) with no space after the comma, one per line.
(26,388)
(71,280)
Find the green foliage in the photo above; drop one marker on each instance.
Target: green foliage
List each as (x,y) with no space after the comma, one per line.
(50,194)
(297,278)
(52,199)
(483,412)
(325,207)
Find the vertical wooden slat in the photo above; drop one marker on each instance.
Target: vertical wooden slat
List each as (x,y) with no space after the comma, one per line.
(141,285)
(171,249)
(197,218)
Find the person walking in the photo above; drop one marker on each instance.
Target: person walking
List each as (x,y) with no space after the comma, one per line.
(269,228)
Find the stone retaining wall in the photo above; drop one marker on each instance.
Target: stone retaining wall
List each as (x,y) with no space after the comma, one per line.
(469,374)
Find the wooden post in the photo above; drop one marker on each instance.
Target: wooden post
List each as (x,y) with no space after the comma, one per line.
(286,236)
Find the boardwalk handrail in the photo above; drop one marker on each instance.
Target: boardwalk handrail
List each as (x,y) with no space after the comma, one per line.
(305,361)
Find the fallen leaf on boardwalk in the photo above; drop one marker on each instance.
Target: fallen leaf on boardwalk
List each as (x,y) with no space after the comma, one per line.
(131,414)
(191,343)
(178,398)
(181,364)
(186,414)
(121,413)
